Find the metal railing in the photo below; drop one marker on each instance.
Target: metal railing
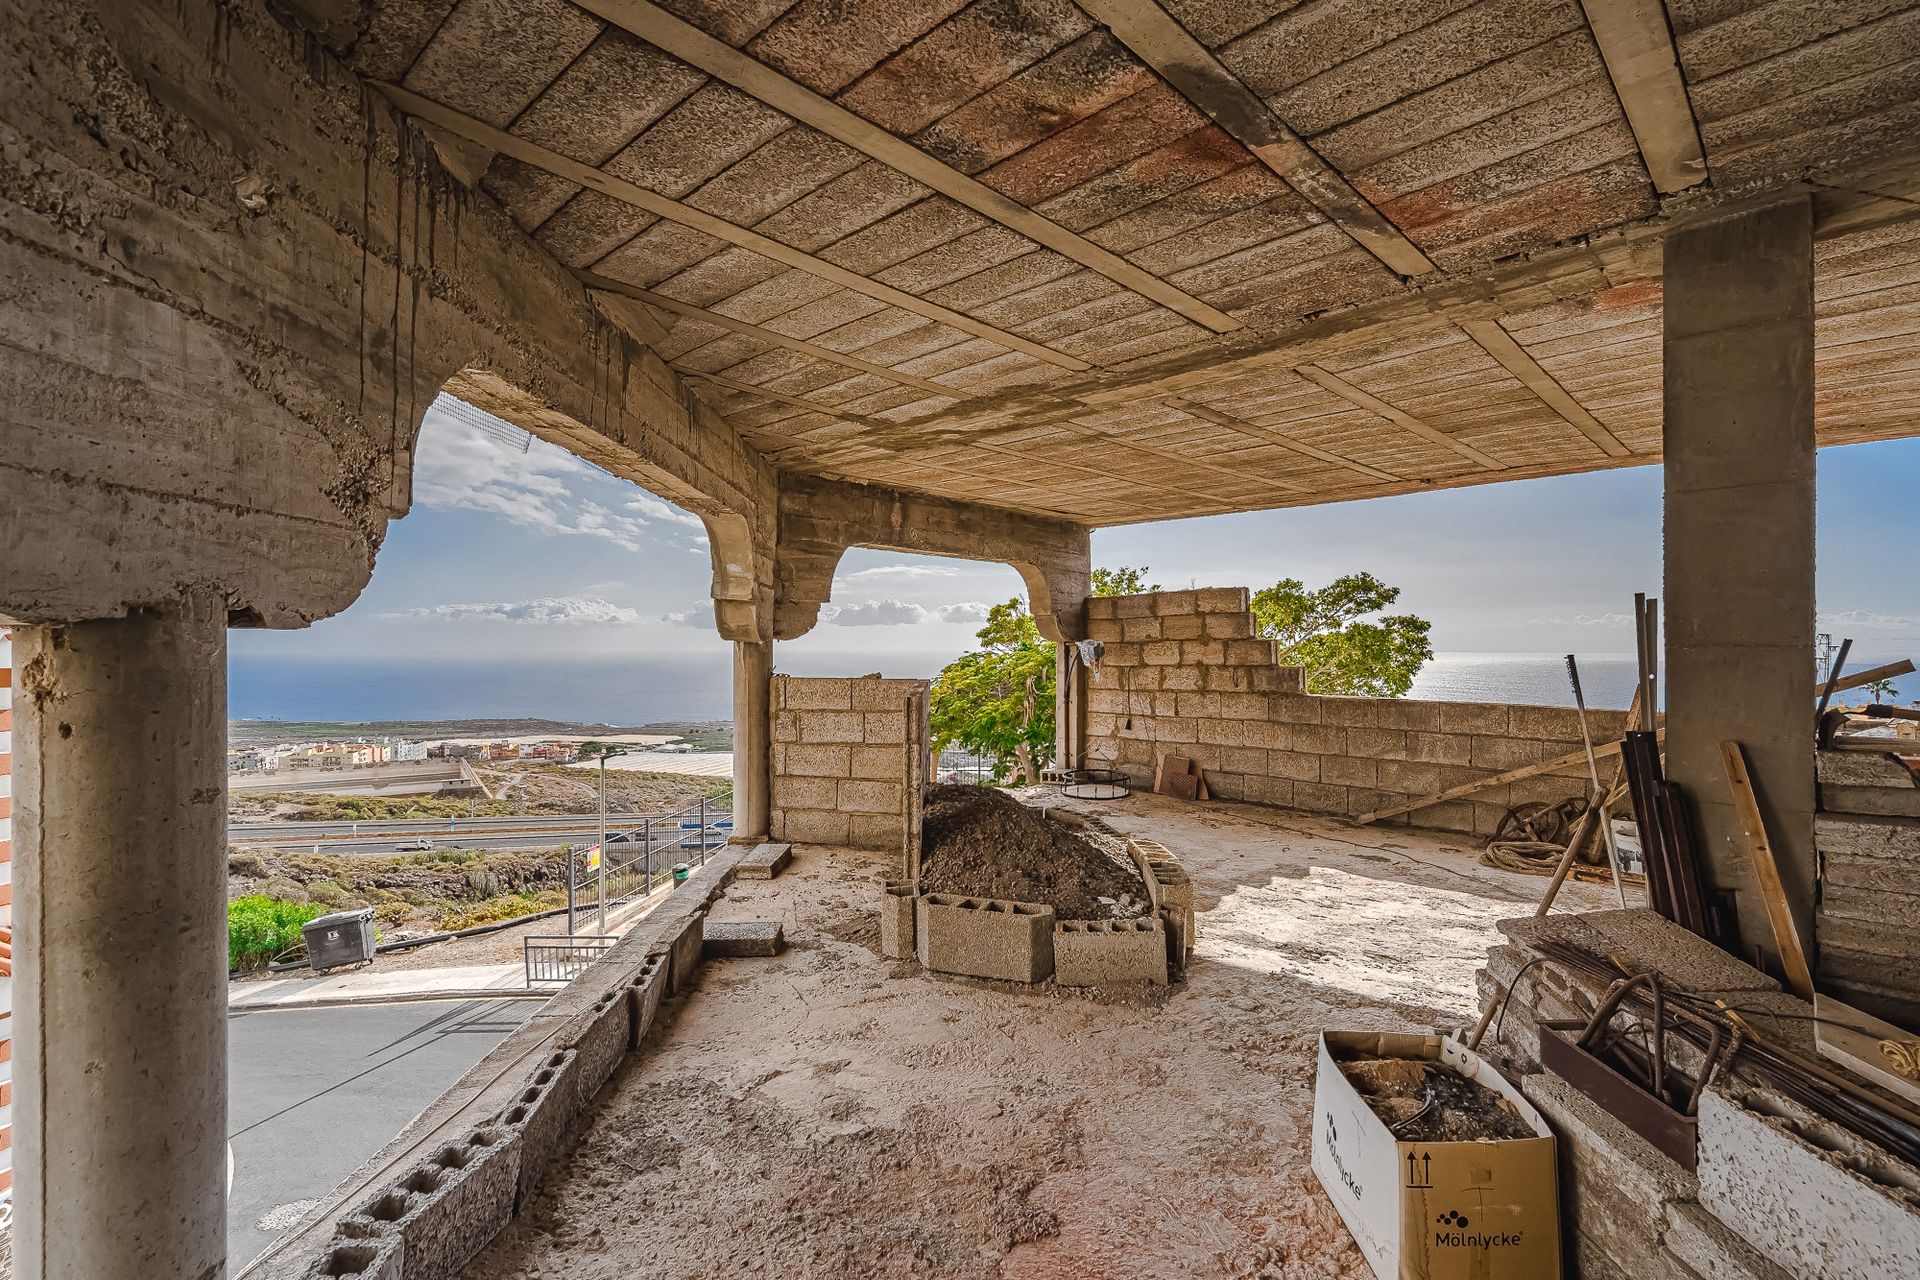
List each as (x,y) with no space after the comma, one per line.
(562,959)
(637,860)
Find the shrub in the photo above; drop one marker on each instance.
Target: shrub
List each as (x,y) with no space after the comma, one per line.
(327,891)
(260,929)
(284,888)
(393,914)
(455,916)
(248,863)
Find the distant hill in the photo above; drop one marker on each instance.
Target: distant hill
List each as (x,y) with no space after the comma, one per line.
(714,735)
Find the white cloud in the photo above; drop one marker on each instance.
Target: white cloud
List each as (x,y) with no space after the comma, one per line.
(905,571)
(970,611)
(1864,620)
(547,611)
(462,466)
(701,615)
(1585,620)
(874,613)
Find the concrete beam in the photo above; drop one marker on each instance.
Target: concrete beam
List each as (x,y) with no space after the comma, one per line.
(820,519)
(1163,44)
(1405,421)
(1493,339)
(1740,540)
(723,62)
(120,1114)
(1637,45)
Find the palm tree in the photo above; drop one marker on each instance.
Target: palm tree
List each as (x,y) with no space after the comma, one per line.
(1882,690)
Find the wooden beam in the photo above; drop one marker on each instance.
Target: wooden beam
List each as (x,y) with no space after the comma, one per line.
(719,228)
(1163,44)
(1766,872)
(1493,339)
(1281,438)
(1860,679)
(1637,45)
(723,62)
(1406,421)
(1572,759)
(604,284)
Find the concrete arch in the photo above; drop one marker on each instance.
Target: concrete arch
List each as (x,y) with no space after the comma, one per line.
(821,519)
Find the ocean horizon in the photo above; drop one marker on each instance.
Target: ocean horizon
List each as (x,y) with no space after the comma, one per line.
(647,690)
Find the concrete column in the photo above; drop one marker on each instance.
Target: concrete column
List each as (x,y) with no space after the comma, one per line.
(1739,605)
(120,1113)
(752,739)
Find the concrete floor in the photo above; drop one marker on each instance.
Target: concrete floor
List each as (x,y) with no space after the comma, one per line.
(829,1112)
(314,1092)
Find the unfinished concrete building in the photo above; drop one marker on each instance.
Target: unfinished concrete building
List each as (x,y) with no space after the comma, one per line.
(968,279)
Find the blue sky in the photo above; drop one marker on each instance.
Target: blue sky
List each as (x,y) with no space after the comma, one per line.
(529,560)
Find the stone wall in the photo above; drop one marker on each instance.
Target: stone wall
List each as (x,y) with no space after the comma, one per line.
(1184,675)
(850,758)
(1868,832)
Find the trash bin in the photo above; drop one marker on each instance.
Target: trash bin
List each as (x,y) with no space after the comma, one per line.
(344,937)
(680,872)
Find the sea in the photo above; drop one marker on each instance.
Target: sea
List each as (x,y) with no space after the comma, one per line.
(650,689)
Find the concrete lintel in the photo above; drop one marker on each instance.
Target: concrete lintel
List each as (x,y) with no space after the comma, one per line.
(820,519)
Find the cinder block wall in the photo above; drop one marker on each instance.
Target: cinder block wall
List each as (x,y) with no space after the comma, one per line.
(1183,675)
(850,758)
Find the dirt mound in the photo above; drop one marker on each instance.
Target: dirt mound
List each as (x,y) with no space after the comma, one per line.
(982,842)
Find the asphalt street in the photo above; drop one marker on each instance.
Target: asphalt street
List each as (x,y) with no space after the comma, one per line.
(389,837)
(314,1092)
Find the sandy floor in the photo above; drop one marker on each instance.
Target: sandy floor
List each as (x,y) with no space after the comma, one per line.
(829,1113)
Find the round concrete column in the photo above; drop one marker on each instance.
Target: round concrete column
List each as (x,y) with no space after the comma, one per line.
(120,1000)
(752,738)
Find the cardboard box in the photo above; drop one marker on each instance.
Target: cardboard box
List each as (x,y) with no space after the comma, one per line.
(1435,1210)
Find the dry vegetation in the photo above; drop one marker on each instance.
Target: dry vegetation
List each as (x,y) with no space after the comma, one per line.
(422,892)
(518,789)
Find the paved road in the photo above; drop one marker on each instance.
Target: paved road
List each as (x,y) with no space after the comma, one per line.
(314,1092)
(463,833)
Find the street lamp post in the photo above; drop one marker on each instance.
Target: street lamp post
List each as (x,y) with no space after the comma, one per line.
(604,753)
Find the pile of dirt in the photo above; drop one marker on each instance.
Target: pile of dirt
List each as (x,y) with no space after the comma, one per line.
(1422,1101)
(984,843)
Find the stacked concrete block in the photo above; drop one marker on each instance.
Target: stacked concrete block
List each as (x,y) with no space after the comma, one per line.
(644,993)
(897,904)
(984,937)
(375,1255)
(1869,846)
(443,1210)
(1183,675)
(1172,894)
(1103,953)
(849,761)
(1818,1201)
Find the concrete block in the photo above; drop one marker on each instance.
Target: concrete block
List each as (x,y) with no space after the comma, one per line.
(1559,724)
(1221,599)
(733,938)
(799,792)
(1864,769)
(814,826)
(1294,766)
(815,695)
(811,762)
(1252,653)
(1380,744)
(872,797)
(1710,1250)
(1140,629)
(985,937)
(1267,734)
(599,1036)
(1351,771)
(449,1206)
(1132,606)
(1323,740)
(897,902)
(1185,627)
(1354,713)
(1216,732)
(1178,679)
(1163,653)
(1228,626)
(1279,679)
(1439,748)
(827,727)
(1498,753)
(882,832)
(370,1255)
(882,695)
(880,728)
(1101,608)
(1201,653)
(1821,1203)
(1319,797)
(644,994)
(875,764)
(1175,603)
(1892,802)
(765,862)
(684,941)
(1100,953)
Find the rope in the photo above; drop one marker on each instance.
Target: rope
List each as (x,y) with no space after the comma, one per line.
(1538,858)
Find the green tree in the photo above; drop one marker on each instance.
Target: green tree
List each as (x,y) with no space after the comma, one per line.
(1124,581)
(998,701)
(1328,632)
(1882,690)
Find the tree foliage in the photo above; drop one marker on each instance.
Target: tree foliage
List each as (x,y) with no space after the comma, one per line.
(1328,632)
(998,701)
(1123,581)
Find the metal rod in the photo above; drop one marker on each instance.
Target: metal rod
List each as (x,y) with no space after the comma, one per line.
(1833,677)
(1599,797)
(602,923)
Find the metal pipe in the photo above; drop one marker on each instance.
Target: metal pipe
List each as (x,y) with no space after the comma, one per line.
(1599,797)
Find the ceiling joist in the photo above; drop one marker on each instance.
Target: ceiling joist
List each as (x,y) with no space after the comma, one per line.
(723,62)
(1281,438)
(639,197)
(1493,339)
(1158,40)
(1637,45)
(1373,404)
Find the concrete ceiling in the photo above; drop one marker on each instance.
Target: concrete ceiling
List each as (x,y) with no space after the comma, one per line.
(1113,261)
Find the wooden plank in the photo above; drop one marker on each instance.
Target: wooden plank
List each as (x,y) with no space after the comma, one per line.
(1163,44)
(1860,679)
(724,62)
(1637,45)
(1492,338)
(719,321)
(1406,421)
(1570,760)
(719,228)
(1766,872)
